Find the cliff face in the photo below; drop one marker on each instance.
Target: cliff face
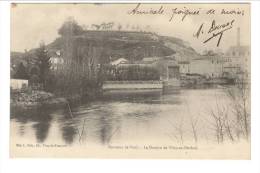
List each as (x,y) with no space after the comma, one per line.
(183,50)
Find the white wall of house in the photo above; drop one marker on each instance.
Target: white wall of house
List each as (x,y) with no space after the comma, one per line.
(208,67)
(238,56)
(184,68)
(18,84)
(56,62)
(119,61)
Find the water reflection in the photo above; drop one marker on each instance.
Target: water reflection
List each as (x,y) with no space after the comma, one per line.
(22,129)
(117,117)
(68,134)
(40,118)
(149,96)
(105,131)
(99,123)
(41,131)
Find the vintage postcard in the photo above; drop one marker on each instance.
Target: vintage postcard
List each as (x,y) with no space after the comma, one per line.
(128,80)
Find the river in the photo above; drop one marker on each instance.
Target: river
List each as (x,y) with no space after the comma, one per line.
(125,118)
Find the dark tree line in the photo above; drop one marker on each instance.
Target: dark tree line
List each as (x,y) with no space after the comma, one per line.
(21,72)
(37,69)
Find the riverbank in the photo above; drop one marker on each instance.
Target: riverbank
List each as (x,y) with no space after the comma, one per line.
(35,99)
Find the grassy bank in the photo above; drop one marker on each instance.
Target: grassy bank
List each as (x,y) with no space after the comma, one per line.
(34,99)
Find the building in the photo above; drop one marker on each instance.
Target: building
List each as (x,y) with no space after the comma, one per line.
(18,84)
(151,59)
(56,60)
(237,59)
(210,66)
(167,66)
(119,61)
(184,67)
(238,56)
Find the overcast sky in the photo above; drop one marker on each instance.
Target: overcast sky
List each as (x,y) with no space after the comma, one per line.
(31,23)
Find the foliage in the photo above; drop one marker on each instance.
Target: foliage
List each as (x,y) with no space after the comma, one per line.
(232,121)
(72,80)
(80,75)
(34,79)
(42,61)
(240,97)
(70,27)
(21,72)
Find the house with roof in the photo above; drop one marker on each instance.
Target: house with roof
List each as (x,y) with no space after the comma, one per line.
(237,59)
(210,66)
(119,61)
(184,67)
(56,60)
(18,84)
(168,67)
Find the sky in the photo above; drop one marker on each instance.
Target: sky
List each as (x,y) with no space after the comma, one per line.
(33,23)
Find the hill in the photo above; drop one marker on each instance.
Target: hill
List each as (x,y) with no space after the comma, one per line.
(184,52)
(117,44)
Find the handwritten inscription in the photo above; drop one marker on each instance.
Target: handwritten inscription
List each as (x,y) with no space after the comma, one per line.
(214,30)
(184,12)
(138,10)
(233,12)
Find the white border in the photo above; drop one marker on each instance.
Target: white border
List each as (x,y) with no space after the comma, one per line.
(100,165)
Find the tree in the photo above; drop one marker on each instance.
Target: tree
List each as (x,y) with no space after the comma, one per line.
(70,27)
(34,79)
(119,27)
(34,71)
(21,72)
(43,63)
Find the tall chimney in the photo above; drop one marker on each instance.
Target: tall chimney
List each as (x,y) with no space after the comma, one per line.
(238,36)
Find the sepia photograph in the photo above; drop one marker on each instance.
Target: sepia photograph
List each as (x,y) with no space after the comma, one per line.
(130,80)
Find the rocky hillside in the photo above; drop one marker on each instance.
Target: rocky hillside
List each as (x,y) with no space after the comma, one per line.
(183,50)
(130,45)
